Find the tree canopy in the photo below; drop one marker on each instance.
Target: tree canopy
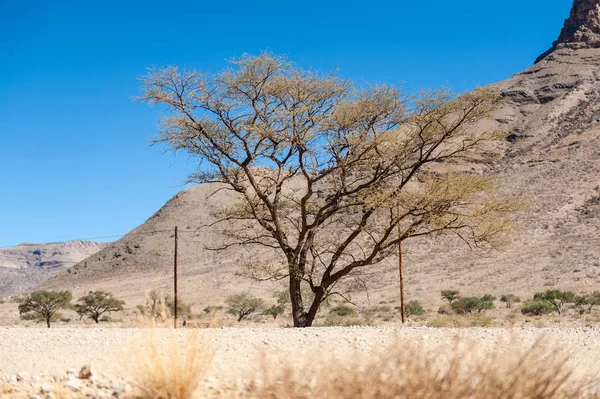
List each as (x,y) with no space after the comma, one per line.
(330,175)
(44,304)
(96,303)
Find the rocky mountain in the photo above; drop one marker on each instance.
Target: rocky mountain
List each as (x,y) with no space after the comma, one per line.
(551,158)
(581,29)
(26,265)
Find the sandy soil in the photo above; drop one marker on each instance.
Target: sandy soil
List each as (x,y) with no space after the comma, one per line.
(239,351)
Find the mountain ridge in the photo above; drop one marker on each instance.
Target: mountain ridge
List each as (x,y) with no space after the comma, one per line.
(28,264)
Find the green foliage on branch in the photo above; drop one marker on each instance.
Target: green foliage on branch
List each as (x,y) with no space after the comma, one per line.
(536,307)
(243,305)
(44,304)
(96,303)
(450,295)
(274,311)
(509,299)
(414,308)
(557,298)
(471,304)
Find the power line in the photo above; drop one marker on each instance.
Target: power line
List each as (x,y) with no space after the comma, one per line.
(110,236)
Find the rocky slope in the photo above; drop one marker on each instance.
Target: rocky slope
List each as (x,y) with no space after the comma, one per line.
(27,265)
(551,158)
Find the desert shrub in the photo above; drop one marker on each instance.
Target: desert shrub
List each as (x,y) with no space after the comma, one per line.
(274,311)
(536,307)
(96,303)
(160,307)
(414,308)
(343,310)
(17,298)
(450,295)
(243,305)
(509,299)
(486,302)
(467,321)
(465,305)
(587,301)
(175,372)
(445,309)
(471,304)
(44,304)
(183,309)
(557,298)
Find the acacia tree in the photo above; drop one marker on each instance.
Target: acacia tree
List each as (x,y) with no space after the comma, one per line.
(96,303)
(242,305)
(557,298)
(44,304)
(330,175)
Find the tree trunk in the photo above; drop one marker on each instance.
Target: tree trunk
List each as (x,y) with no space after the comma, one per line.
(314,308)
(557,306)
(298,313)
(301,317)
(48,321)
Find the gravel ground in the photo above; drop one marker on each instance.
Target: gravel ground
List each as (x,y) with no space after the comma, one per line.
(58,354)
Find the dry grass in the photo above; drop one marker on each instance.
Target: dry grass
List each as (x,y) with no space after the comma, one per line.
(411,371)
(172,372)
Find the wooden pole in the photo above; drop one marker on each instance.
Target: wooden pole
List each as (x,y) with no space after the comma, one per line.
(175,281)
(402,312)
(402,308)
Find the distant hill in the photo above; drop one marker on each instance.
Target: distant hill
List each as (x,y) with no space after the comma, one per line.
(551,157)
(26,265)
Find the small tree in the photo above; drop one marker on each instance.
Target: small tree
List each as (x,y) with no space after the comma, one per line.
(588,301)
(183,309)
(466,305)
(486,302)
(414,308)
(274,311)
(450,295)
(536,307)
(242,305)
(44,304)
(509,299)
(96,303)
(557,298)
(160,307)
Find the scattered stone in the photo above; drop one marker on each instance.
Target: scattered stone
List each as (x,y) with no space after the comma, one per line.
(73,384)
(47,388)
(23,376)
(85,372)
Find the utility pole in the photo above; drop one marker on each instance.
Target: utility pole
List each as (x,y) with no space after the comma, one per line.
(401,282)
(402,308)
(175,281)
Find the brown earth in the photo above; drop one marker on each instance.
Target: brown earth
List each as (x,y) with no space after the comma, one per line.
(241,353)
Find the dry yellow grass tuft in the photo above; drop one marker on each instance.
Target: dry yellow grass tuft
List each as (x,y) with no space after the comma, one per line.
(171,371)
(412,371)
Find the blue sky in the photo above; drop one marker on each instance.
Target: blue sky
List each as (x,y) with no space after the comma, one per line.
(75,161)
